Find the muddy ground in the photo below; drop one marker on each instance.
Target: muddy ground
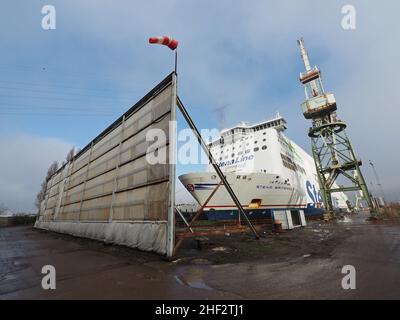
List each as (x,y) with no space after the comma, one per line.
(305,263)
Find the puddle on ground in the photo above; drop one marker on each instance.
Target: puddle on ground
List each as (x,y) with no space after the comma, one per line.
(8,277)
(200,261)
(346,219)
(220,249)
(192,277)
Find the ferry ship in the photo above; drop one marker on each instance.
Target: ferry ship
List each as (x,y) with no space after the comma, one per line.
(266,170)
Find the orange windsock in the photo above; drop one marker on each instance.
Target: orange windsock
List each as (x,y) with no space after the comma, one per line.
(165,40)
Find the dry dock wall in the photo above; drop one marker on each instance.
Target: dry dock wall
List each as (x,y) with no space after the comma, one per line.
(109,191)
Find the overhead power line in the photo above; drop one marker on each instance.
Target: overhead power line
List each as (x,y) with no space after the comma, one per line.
(57,85)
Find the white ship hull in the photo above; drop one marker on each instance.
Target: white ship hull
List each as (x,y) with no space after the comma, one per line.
(265,169)
(270,190)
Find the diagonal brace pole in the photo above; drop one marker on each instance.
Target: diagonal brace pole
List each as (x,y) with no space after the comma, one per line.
(179,242)
(215,165)
(184,219)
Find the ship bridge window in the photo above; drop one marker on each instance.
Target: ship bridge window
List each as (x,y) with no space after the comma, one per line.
(264,147)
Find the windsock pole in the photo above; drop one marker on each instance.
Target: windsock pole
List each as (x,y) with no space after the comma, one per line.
(176,61)
(172,148)
(175,101)
(172,44)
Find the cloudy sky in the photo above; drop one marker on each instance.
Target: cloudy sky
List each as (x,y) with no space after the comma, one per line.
(61,87)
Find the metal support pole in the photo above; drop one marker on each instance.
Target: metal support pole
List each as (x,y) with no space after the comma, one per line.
(117,166)
(215,165)
(172,164)
(69,181)
(47,195)
(184,219)
(321,178)
(179,242)
(361,181)
(378,182)
(176,61)
(61,187)
(84,183)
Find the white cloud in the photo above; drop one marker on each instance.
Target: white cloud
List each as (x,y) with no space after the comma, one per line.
(24,160)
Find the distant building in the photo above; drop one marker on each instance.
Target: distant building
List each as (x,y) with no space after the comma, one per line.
(188,207)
